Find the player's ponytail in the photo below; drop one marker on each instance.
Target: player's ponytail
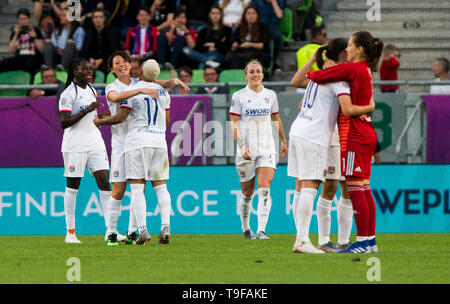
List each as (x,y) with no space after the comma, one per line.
(320,54)
(332,51)
(373,48)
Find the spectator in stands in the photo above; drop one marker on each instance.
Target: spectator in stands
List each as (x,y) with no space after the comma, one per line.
(43,8)
(48,76)
(389,67)
(99,43)
(163,12)
(141,41)
(250,40)
(65,44)
(88,7)
(135,71)
(172,42)
(211,75)
(185,75)
(25,45)
(319,37)
(213,41)
(197,12)
(47,26)
(271,12)
(441,72)
(232,11)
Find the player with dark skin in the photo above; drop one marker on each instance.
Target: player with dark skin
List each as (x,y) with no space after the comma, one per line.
(83,74)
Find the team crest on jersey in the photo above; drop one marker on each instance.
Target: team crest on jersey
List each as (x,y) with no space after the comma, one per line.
(116,173)
(242,173)
(266,99)
(325,172)
(331,169)
(249,101)
(71,168)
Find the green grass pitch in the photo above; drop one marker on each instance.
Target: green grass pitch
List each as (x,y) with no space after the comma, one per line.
(222,259)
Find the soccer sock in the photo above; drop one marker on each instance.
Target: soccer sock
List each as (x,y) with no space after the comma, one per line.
(345,220)
(245,205)
(295,206)
(139,206)
(104,200)
(132,224)
(304,213)
(264,205)
(360,210)
(70,199)
(164,203)
(324,219)
(372,210)
(113,214)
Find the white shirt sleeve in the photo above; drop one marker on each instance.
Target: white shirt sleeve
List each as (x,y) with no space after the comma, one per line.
(66,101)
(340,88)
(235,108)
(168,100)
(275,108)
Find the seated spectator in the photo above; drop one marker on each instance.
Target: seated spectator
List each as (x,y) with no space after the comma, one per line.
(88,7)
(141,41)
(47,26)
(65,44)
(185,75)
(441,72)
(43,8)
(250,40)
(163,12)
(98,43)
(389,67)
(211,75)
(196,12)
(172,42)
(318,38)
(213,42)
(232,11)
(25,45)
(136,70)
(48,76)
(271,12)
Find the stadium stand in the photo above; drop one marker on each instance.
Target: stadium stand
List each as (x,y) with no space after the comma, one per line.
(14,77)
(60,75)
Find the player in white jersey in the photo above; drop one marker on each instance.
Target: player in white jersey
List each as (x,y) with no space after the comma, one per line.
(314,155)
(82,144)
(120,65)
(252,111)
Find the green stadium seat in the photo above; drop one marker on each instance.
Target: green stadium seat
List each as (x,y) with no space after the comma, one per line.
(15,77)
(197,76)
(99,76)
(269,69)
(286,25)
(60,75)
(232,75)
(164,75)
(110,77)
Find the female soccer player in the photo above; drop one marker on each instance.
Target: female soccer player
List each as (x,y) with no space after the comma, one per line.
(82,144)
(314,151)
(357,135)
(253,109)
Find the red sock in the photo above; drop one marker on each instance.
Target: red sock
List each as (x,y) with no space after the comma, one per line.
(360,209)
(71,230)
(372,210)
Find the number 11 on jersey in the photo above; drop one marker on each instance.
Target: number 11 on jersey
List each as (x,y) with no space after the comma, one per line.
(149,111)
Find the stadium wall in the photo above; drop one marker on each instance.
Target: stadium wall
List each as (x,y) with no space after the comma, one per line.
(409,198)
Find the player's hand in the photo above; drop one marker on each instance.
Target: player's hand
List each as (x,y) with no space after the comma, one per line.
(177,82)
(94,105)
(329,63)
(107,113)
(151,92)
(245,151)
(97,121)
(283,149)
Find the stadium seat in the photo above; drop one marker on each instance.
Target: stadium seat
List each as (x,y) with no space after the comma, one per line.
(302,12)
(110,78)
(269,69)
(15,77)
(99,76)
(60,75)
(232,75)
(197,76)
(286,25)
(164,75)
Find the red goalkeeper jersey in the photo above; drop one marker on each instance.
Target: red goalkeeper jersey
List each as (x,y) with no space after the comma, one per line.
(356,133)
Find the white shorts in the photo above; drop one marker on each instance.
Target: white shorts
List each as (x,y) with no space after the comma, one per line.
(117,173)
(151,164)
(246,169)
(306,160)
(75,163)
(334,163)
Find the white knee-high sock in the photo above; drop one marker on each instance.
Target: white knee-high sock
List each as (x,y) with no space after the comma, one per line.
(164,203)
(113,214)
(264,206)
(70,199)
(245,206)
(104,201)
(304,213)
(132,223)
(295,206)
(324,219)
(345,220)
(139,206)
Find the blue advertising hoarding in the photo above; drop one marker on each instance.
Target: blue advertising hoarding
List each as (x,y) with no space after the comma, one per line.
(409,198)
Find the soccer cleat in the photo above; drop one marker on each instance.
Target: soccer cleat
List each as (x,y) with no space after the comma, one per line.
(261,235)
(120,237)
(306,247)
(328,247)
(249,235)
(164,236)
(357,247)
(143,238)
(71,238)
(112,240)
(373,248)
(131,238)
(343,246)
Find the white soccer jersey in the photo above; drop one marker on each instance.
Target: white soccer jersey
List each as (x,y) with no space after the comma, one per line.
(84,135)
(255,125)
(119,131)
(316,121)
(147,120)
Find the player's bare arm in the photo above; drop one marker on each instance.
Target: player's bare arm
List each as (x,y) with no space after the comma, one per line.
(115,96)
(172,83)
(300,80)
(283,149)
(350,109)
(67,120)
(121,115)
(238,138)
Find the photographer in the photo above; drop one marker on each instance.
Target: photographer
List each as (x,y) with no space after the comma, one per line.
(25,44)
